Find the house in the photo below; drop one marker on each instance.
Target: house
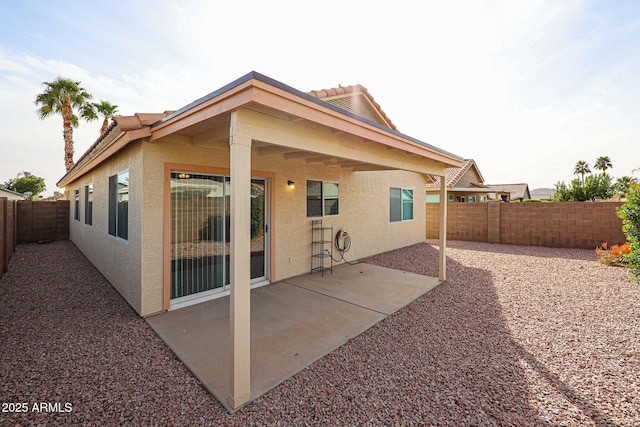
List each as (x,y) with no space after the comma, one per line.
(10,194)
(465,184)
(219,196)
(57,195)
(510,192)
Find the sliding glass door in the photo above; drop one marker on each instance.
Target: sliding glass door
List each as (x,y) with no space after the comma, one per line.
(200,238)
(259,229)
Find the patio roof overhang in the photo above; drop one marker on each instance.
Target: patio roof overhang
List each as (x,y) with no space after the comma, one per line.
(207,120)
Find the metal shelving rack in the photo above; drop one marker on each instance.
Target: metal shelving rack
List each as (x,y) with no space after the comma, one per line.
(319,251)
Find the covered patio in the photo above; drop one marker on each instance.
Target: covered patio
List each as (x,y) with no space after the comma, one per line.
(353,168)
(293,323)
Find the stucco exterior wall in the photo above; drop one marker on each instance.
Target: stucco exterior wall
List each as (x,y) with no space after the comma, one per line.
(118,260)
(364,209)
(136,267)
(469,177)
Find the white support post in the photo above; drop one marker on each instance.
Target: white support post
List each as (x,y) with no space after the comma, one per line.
(442,268)
(240,300)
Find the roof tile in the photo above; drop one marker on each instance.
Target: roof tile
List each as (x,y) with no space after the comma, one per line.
(353,91)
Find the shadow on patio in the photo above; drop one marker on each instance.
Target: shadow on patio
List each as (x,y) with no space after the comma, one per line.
(293,323)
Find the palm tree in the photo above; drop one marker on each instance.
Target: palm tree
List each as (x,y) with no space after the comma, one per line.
(106,110)
(603,163)
(624,183)
(63,96)
(581,169)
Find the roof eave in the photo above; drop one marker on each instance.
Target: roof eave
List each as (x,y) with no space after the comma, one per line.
(118,142)
(246,83)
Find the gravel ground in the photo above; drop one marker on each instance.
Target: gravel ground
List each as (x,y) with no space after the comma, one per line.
(518,336)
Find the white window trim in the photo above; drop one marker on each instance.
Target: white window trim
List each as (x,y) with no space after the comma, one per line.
(76,204)
(402,205)
(115,236)
(85,205)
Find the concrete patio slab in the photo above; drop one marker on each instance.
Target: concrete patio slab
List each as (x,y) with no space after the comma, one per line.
(293,323)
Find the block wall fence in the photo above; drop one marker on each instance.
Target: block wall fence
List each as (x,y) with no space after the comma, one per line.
(557,224)
(25,221)
(7,232)
(42,221)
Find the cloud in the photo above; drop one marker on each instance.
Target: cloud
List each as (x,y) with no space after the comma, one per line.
(526,89)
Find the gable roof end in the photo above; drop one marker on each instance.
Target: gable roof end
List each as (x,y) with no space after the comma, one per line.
(356,99)
(453,175)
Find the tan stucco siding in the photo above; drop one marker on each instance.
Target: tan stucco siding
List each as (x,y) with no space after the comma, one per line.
(470,176)
(118,260)
(137,267)
(322,140)
(364,209)
(364,212)
(156,154)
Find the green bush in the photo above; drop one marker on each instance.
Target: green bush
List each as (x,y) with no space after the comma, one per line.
(598,185)
(630,214)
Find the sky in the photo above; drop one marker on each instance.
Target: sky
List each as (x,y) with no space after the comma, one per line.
(525,88)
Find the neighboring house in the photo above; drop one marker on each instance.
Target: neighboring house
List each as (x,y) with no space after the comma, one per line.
(542,193)
(509,192)
(56,196)
(219,196)
(465,184)
(10,194)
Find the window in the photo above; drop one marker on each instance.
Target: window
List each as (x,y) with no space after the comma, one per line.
(88,204)
(483,198)
(450,198)
(461,199)
(119,205)
(76,204)
(400,204)
(322,198)
(472,199)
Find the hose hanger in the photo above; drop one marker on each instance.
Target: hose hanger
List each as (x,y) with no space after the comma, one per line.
(342,242)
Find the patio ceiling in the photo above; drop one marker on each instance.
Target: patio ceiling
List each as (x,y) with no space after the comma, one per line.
(291,153)
(213,133)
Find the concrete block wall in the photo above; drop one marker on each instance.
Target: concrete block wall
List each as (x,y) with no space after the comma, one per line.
(38,221)
(561,225)
(7,232)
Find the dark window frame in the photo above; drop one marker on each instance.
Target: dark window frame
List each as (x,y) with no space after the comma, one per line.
(321,205)
(88,204)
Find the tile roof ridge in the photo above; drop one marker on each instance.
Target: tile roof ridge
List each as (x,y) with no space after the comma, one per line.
(340,90)
(126,123)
